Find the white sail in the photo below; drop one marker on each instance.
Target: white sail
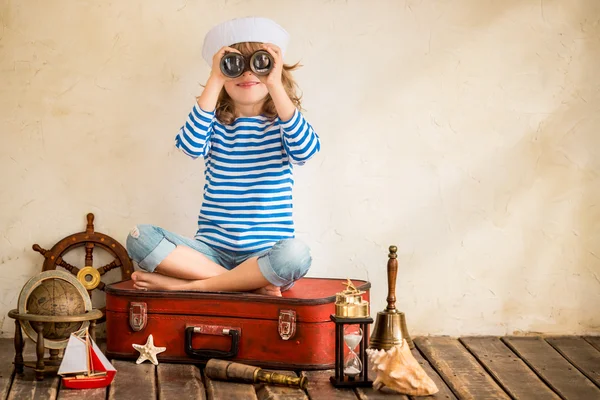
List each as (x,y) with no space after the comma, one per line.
(75,358)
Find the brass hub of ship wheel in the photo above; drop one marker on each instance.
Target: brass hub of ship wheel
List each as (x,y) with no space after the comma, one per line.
(89,277)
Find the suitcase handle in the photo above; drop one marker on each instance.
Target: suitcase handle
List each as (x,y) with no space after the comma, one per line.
(212,330)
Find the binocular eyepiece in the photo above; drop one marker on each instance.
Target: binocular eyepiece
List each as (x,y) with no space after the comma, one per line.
(235,64)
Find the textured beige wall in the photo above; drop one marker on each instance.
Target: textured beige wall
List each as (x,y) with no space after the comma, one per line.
(466,132)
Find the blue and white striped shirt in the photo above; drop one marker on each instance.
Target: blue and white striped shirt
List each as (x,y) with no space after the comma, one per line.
(247,204)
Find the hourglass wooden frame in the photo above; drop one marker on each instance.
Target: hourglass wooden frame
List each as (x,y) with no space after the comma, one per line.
(340,379)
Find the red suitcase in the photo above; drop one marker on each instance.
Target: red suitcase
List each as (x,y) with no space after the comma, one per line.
(290,332)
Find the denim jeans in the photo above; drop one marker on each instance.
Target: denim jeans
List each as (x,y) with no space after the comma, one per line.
(287,261)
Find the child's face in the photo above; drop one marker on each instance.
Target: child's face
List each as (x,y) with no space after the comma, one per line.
(246,89)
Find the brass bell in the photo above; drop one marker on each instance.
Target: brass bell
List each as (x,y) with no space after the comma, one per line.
(390,325)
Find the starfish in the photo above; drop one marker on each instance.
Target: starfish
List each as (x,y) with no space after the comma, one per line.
(148,351)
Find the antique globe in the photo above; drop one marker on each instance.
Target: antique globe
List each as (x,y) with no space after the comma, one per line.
(56,297)
(54,293)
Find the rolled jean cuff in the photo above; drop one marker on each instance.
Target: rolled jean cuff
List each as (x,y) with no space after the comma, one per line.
(156,256)
(264,264)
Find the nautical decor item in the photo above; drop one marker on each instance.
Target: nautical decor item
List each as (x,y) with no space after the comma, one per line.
(236,372)
(234,65)
(350,304)
(148,351)
(398,370)
(88,275)
(352,323)
(54,294)
(84,366)
(51,306)
(390,325)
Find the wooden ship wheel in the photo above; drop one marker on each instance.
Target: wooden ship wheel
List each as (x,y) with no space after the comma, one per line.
(89,276)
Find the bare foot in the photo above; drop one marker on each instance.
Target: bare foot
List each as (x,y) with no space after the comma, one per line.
(269,290)
(155,281)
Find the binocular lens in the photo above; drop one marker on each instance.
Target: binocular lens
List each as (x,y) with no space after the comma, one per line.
(232,65)
(261,63)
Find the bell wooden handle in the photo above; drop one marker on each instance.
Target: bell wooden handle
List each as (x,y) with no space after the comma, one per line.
(392,272)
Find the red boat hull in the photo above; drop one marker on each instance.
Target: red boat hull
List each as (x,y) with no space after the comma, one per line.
(89,383)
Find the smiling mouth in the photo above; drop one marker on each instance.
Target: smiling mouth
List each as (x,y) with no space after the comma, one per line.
(247,84)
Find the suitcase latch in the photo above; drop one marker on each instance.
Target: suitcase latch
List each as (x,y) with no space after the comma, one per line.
(138,316)
(287,324)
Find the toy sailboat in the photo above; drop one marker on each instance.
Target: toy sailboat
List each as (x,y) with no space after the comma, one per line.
(83,365)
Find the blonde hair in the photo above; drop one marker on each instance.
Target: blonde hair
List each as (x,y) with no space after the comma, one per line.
(225,109)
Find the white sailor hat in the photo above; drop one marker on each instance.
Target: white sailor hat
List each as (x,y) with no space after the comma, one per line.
(250,29)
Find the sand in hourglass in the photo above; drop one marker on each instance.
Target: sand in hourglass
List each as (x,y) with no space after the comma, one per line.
(352,340)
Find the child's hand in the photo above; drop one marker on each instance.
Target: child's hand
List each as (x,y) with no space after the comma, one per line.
(216,73)
(273,80)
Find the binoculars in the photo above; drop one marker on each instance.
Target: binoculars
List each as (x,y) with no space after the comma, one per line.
(235,64)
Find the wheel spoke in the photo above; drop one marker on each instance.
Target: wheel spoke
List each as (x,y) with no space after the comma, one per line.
(71,268)
(89,258)
(104,269)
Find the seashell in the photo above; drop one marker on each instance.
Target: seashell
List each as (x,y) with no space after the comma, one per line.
(398,370)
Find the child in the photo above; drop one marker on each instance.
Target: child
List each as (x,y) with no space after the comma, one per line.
(250,131)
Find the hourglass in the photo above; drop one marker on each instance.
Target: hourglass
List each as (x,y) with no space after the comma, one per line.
(352,364)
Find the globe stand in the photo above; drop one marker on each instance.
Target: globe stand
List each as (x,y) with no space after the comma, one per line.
(51,364)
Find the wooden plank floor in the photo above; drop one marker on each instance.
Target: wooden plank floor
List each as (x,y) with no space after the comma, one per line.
(462,368)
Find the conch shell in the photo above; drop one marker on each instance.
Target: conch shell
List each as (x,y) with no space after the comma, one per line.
(398,370)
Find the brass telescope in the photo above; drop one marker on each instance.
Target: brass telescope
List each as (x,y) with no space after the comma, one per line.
(236,372)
